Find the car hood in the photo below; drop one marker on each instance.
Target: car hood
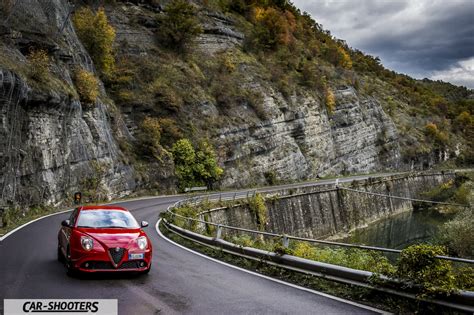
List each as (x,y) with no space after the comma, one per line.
(114,237)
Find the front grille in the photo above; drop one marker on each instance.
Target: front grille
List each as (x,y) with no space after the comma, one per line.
(105,265)
(116,253)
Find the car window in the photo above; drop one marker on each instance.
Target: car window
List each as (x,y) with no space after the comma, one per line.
(73,216)
(106,219)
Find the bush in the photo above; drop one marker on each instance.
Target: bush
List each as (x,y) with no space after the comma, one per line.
(93,186)
(179,25)
(351,258)
(97,36)
(457,233)
(166,96)
(38,61)
(433,133)
(87,86)
(170,131)
(330,101)
(417,265)
(152,135)
(259,209)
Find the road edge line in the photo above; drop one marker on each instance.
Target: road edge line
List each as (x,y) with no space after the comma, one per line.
(2,238)
(267,277)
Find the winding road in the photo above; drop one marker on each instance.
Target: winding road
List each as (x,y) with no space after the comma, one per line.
(180,281)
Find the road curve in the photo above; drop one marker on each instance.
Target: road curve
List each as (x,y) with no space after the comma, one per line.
(180,282)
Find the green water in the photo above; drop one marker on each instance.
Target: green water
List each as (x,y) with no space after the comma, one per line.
(399,231)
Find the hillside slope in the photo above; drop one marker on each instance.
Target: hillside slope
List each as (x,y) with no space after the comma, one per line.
(277,97)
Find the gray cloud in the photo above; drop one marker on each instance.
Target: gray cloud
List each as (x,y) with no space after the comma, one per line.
(420,38)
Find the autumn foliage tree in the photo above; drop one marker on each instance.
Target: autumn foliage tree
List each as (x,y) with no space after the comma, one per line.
(87,86)
(97,36)
(273,27)
(179,25)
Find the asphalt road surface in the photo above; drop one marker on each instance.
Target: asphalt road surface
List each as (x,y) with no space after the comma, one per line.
(180,282)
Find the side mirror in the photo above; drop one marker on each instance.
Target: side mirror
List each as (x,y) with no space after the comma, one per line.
(66,223)
(144,224)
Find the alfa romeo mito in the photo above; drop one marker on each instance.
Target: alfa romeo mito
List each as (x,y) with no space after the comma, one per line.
(104,239)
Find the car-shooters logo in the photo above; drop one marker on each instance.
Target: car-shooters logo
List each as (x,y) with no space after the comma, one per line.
(57,306)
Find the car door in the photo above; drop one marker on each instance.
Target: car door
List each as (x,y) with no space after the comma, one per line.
(66,231)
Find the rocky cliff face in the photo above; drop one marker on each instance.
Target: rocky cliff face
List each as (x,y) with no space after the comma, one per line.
(50,142)
(303,141)
(48,139)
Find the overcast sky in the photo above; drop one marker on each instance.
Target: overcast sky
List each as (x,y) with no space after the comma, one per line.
(422,38)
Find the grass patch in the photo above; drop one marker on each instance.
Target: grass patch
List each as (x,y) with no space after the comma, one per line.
(15,217)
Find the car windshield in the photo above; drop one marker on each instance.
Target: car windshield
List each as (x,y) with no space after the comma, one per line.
(106,219)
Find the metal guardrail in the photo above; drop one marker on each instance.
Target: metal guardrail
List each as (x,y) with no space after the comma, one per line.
(403,198)
(462,300)
(285,238)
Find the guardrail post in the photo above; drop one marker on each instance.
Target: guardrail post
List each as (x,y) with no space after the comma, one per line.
(220,197)
(219,232)
(248,192)
(286,241)
(235,195)
(337,183)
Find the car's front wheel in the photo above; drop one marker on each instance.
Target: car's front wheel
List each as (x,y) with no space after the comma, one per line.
(69,269)
(147,271)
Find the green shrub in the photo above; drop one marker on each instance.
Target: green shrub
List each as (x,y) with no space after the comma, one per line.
(457,233)
(417,265)
(433,133)
(351,258)
(152,135)
(38,61)
(97,36)
(92,186)
(195,166)
(87,86)
(166,96)
(258,207)
(271,177)
(179,25)
(170,132)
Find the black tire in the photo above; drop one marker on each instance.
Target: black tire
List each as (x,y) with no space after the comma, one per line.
(145,272)
(69,269)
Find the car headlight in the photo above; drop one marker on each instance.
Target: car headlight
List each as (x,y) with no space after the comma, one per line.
(87,242)
(142,242)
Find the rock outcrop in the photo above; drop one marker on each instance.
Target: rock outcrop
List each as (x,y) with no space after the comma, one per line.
(305,141)
(49,142)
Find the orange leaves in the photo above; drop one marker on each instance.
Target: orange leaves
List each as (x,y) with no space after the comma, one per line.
(274,27)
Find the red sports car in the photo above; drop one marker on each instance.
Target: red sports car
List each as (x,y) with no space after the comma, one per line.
(104,239)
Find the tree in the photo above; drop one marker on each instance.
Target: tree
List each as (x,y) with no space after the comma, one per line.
(195,167)
(179,25)
(273,27)
(184,157)
(97,36)
(206,167)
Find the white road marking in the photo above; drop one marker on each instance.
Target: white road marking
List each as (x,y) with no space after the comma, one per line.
(65,211)
(32,221)
(266,277)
